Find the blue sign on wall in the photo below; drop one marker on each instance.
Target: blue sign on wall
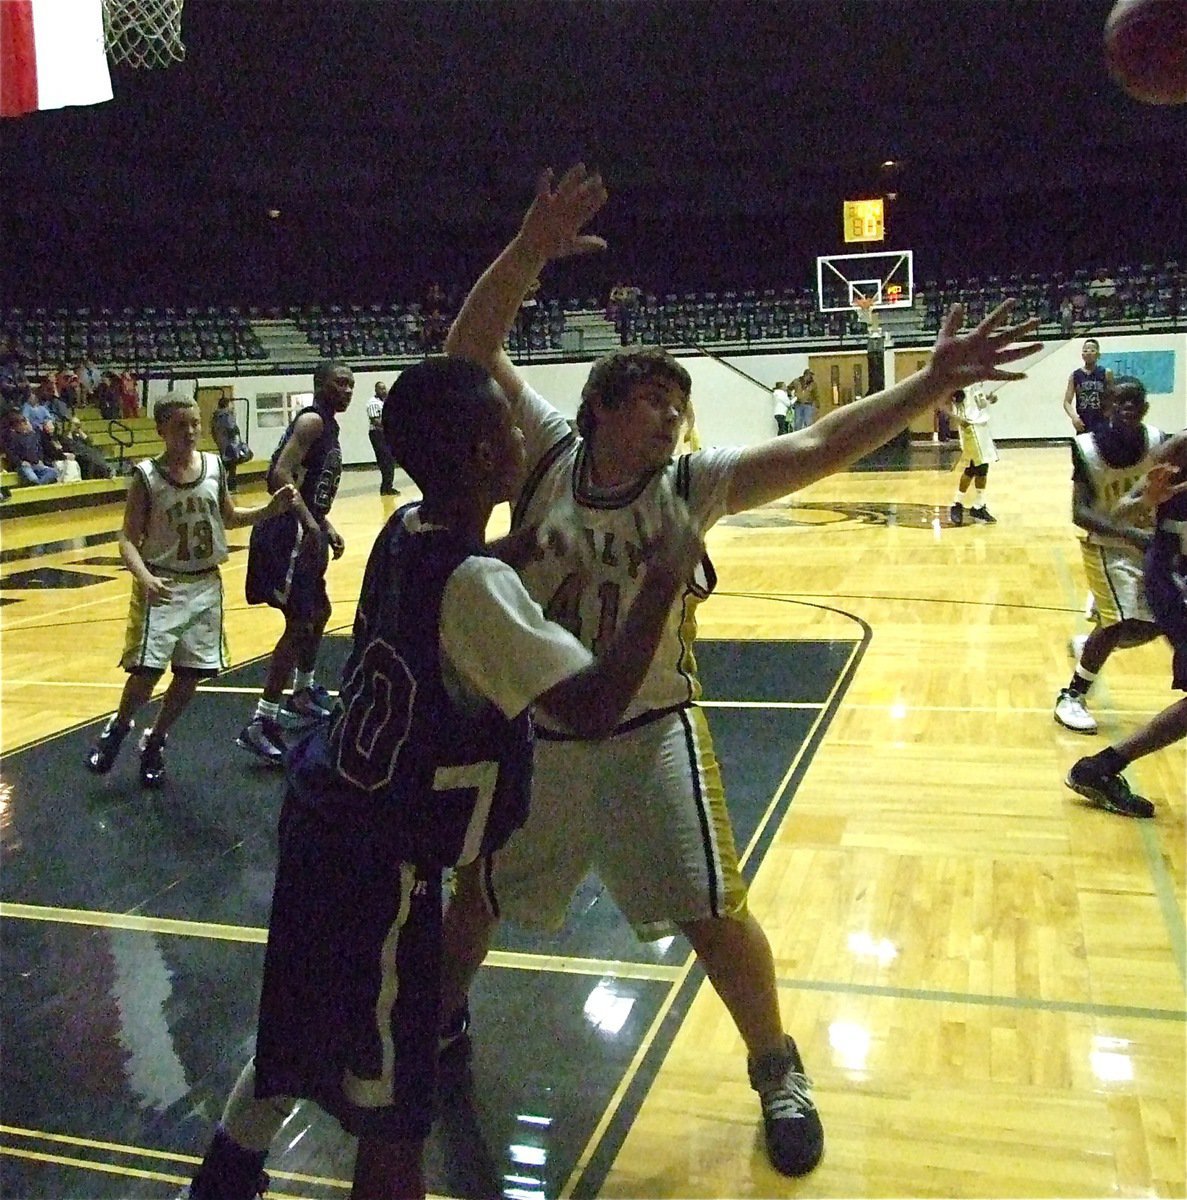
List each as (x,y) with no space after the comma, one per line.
(1155,368)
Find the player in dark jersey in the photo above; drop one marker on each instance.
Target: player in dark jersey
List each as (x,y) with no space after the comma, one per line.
(426,765)
(1084,401)
(287,561)
(1098,777)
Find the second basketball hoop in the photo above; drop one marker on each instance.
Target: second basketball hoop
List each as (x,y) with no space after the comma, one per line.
(866,313)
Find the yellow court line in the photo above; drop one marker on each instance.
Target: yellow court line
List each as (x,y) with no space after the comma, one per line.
(508,959)
(805,742)
(61,1160)
(133,922)
(791,705)
(628,1077)
(83,1143)
(86,1164)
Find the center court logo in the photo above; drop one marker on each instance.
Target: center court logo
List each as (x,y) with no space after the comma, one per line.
(792,514)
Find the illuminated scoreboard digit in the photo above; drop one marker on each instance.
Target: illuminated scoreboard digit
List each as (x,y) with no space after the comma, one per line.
(864,220)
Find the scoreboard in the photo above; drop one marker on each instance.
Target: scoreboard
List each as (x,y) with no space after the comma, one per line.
(864,220)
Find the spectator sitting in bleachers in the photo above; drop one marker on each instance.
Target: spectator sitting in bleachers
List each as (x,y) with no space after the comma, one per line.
(36,411)
(67,382)
(22,449)
(91,461)
(48,394)
(58,454)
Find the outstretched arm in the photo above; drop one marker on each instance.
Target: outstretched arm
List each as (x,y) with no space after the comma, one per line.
(551,229)
(774,468)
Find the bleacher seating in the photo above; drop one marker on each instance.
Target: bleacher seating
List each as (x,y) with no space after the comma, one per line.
(123,442)
(140,338)
(157,341)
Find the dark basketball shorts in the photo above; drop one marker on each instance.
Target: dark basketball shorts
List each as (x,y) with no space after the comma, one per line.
(1166,592)
(286,567)
(350,1004)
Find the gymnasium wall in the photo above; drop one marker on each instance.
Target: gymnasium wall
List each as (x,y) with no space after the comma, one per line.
(733,406)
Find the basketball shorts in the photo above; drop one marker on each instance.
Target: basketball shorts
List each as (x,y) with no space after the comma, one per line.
(1166,591)
(286,567)
(1115,579)
(350,1002)
(645,810)
(977,445)
(185,632)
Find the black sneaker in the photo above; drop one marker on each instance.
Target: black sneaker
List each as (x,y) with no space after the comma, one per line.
(1110,792)
(228,1172)
(265,739)
(795,1137)
(152,760)
(983,515)
(956,514)
(102,755)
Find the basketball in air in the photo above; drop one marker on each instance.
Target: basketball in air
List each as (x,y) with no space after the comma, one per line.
(1146,49)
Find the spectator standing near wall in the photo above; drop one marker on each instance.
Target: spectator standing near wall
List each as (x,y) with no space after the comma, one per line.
(781,405)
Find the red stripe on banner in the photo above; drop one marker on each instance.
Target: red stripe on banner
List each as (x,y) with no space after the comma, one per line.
(18,58)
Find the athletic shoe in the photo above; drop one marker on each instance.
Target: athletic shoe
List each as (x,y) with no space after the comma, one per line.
(956,514)
(392,491)
(306,707)
(152,760)
(1076,644)
(322,697)
(228,1172)
(265,739)
(795,1137)
(1072,713)
(454,1038)
(1110,792)
(983,515)
(102,755)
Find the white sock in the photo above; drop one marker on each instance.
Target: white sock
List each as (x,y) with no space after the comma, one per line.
(979,497)
(253,1123)
(302,680)
(265,708)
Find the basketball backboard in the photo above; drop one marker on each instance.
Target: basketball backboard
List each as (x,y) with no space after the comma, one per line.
(886,277)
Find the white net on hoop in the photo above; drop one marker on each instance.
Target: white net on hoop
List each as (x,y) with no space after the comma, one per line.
(143,33)
(865,311)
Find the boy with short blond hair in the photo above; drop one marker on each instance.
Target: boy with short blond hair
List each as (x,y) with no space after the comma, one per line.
(173,540)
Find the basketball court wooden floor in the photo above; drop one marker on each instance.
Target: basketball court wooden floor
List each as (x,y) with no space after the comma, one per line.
(986,976)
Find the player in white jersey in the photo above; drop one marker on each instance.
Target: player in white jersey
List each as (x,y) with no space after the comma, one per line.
(645,807)
(173,541)
(970,409)
(1107,463)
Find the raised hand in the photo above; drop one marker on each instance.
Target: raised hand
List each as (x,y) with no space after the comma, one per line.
(552,225)
(1159,485)
(674,547)
(961,359)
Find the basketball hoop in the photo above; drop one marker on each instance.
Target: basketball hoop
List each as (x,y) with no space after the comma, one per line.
(864,305)
(143,33)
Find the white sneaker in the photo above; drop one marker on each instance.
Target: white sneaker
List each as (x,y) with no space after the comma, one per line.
(1075,645)
(1072,713)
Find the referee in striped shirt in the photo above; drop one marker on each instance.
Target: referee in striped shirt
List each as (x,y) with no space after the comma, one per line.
(383,456)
